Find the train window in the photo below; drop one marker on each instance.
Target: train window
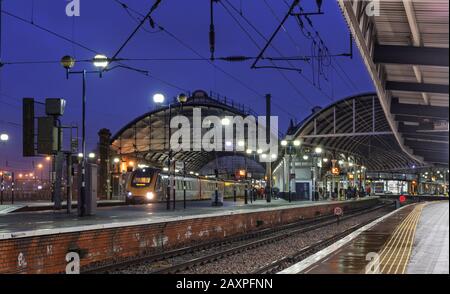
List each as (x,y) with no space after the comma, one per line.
(142,178)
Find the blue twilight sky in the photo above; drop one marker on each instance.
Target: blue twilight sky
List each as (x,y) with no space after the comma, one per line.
(122,95)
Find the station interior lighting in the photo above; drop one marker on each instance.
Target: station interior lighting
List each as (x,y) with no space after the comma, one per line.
(350,164)
(341,162)
(305,157)
(249,151)
(274,156)
(228,144)
(191,173)
(259,151)
(131,163)
(91,155)
(325,159)
(80,155)
(318,150)
(116,160)
(4,137)
(284,143)
(39,166)
(197,174)
(159,98)
(297,143)
(165,169)
(241,143)
(48,158)
(100,61)
(263,156)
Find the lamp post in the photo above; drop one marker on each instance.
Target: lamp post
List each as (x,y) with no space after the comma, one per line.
(68,62)
(159,99)
(290,146)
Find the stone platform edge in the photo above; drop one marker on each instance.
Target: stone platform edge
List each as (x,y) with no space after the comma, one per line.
(47,253)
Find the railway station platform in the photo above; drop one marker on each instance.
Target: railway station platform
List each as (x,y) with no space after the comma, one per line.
(411,240)
(41,240)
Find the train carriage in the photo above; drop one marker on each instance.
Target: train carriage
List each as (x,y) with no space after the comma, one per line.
(150,185)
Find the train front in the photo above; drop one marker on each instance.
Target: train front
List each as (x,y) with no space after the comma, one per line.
(141,185)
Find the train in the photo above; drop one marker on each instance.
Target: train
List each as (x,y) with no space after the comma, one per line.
(149,185)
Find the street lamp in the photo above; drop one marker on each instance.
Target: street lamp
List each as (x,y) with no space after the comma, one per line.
(159,98)
(4,137)
(100,61)
(68,62)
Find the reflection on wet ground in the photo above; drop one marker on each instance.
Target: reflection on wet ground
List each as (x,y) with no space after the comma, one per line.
(353,258)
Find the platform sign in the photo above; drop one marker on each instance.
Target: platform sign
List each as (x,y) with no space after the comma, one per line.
(402,198)
(338,211)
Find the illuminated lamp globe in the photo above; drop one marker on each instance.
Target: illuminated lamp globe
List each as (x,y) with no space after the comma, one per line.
(100,61)
(159,98)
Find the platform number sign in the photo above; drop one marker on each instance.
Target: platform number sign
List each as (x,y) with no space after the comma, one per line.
(338,211)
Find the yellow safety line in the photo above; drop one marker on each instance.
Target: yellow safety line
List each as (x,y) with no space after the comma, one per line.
(407,244)
(398,241)
(412,242)
(393,239)
(403,245)
(401,241)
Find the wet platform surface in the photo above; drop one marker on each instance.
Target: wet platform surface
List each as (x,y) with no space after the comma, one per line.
(430,252)
(413,239)
(30,223)
(354,257)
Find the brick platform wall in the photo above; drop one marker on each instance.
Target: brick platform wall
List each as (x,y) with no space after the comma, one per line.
(47,253)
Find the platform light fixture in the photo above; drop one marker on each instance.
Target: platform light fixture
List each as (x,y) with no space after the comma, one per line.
(318,150)
(305,157)
(297,143)
(100,61)
(241,143)
(91,155)
(249,151)
(159,98)
(116,160)
(284,143)
(4,137)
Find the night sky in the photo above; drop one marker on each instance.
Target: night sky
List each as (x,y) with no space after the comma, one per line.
(122,95)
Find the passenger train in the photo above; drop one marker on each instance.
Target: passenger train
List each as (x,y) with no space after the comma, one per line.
(150,185)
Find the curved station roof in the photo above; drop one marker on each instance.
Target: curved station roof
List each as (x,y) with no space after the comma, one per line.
(355,126)
(147,137)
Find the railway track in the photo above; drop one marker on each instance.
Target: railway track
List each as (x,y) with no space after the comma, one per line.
(289,260)
(261,237)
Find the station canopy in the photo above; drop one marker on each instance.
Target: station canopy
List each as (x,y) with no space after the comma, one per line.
(146,138)
(405,46)
(354,127)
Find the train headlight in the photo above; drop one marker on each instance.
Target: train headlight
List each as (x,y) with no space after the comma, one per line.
(149,195)
(130,194)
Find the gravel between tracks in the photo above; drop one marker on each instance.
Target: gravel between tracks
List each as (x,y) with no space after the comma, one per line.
(250,260)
